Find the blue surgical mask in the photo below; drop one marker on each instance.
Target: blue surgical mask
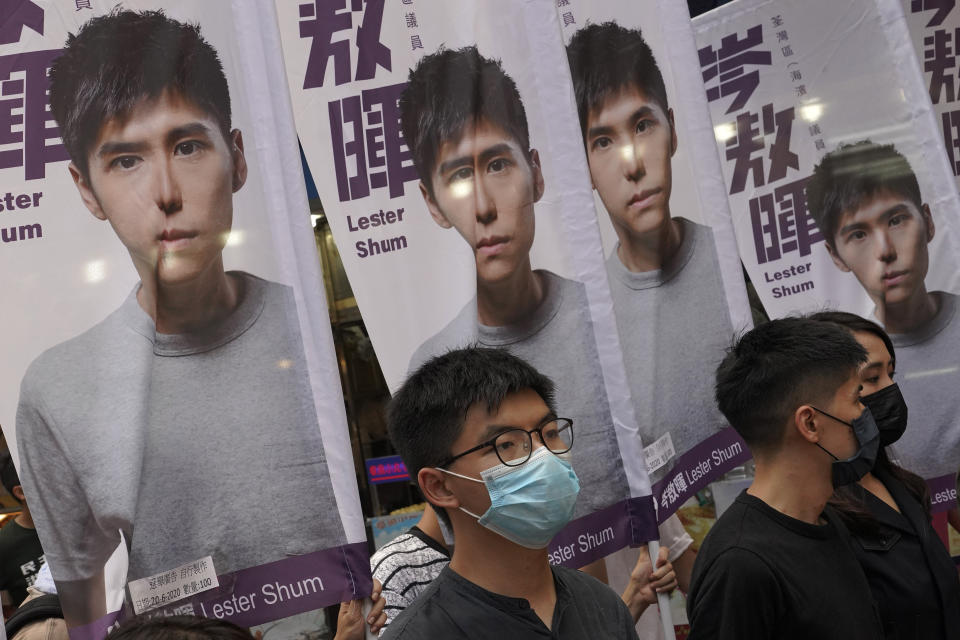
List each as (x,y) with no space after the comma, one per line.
(531,502)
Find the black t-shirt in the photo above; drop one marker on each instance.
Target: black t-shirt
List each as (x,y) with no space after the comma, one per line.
(454,607)
(762,574)
(913,578)
(21,557)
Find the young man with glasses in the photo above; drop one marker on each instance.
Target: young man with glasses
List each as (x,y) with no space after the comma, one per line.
(478,429)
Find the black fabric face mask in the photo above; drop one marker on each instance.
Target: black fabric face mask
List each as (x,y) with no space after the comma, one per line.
(860,463)
(889,412)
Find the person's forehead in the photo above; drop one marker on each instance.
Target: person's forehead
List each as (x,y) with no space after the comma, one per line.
(625,101)
(523,408)
(875,206)
(153,116)
(473,138)
(876,349)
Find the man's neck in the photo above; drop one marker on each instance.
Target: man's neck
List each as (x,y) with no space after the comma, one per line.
(792,488)
(25,519)
(191,306)
(650,251)
(429,524)
(494,563)
(909,315)
(510,300)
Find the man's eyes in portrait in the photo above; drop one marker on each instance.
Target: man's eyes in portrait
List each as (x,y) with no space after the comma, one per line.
(645,125)
(499,165)
(464,173)
(899,219)
(124,163)
(189,148)
(601,143)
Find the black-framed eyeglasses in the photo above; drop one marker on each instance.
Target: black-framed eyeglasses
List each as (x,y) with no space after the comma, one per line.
(515,445)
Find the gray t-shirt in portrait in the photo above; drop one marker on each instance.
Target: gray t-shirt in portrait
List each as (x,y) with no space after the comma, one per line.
(174,440)
(558,340)
(928,373)
(674,326)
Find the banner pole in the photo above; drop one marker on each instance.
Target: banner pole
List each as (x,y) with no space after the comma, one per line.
(663,599)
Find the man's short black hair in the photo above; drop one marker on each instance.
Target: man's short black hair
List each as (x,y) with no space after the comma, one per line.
(178,628)
(426,416)
(8,473)
(449,90)
(116,60)
(855,324)
(779,366)
(606,59)
(852,175)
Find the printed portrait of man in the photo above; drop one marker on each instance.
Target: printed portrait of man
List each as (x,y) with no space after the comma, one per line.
(165,424)
(466,126)
(866,200)
(664,273)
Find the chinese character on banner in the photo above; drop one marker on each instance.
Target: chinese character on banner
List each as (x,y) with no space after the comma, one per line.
(83,4)
(366,129)
(17,14)
(23,86)
(568,18)
(742,147)
(782,224)
(940,60)
(943,7)
(727,65)
(951,138)
(320,20)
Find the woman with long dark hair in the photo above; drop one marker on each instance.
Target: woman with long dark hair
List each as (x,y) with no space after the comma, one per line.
(911,574)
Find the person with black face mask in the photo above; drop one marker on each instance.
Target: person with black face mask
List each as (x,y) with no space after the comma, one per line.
(778,563)
(910,572)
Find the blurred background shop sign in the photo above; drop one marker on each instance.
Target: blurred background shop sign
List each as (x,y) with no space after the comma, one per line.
(386,469)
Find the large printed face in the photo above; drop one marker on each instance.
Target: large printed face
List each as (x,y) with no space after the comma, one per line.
(884,244)
(630,141)
(485,186)
(164,178)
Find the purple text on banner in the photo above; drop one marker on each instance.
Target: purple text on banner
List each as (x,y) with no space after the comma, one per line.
(269,591)
(697,468)
(943,493)
(597,535)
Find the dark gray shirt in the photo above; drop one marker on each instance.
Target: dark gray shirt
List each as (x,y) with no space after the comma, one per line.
(454,607)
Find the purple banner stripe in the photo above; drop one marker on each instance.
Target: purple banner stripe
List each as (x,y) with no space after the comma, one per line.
(697,468)
(943,493)
(594,536)
(270,591)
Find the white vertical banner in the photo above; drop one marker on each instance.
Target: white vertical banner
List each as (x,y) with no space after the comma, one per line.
(840,191)
(496,241)
(169,370)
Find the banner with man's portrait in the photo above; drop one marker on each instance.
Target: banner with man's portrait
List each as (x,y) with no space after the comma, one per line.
(444,142)
(841,193)
(169,388)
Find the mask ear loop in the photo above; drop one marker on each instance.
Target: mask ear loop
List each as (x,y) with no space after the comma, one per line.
(459,475)
(838,420)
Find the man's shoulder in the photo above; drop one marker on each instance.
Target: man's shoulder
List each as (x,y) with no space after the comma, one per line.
(459,332)
(407,554)
(585,587)
(426,617)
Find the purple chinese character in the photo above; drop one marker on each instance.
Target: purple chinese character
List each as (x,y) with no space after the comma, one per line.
(951,138)
(415,42)
(796,75)
(777,20)
(17,14)
(83,4)
(411,19)
(742,147)
(563,3)
(943,7)
(782,36)
(568,18)
(940,59)
(319,20)
(800,90)
(787,51)
(23,85)
(781,223)
(371,53)
(727,64)
(376,142)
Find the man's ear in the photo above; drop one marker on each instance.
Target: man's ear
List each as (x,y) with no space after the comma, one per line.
(837,260)
(673,132)
(805,423)
(239,160)
(538,184)
(433,207)
(86,192)
(928,219)
(433,484)
(18,493)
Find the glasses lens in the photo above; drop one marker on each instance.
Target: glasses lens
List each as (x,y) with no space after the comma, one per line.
(558,435)
(513,447)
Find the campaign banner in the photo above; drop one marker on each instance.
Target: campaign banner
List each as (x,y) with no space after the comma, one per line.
(444,141)
(841,195)
(169,371)
(671,256)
